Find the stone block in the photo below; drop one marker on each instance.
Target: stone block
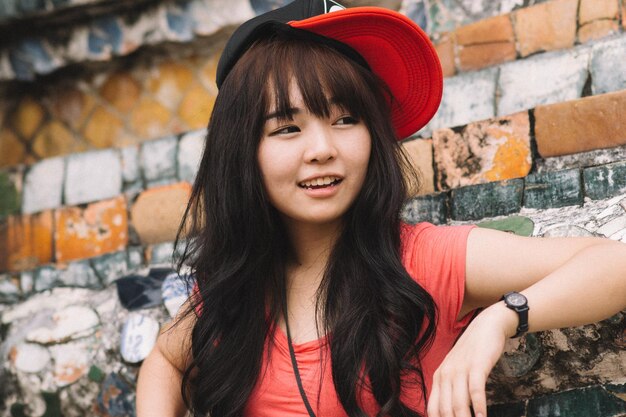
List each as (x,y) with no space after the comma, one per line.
(111,266)
(99,228)
(492,199)
(485,43)
(31,56)
(10,193)
(71,105)
(581,125)
(544,79)
(43,185)
(158,158)
(103,128)
(190,150)
(432,208)
(581,402)
(491,150)
(27,282)
(445,51)
(130,164)
(605,181)
(122,91)
(79,274)
(150,119)
(105,37)
(597,29)
(597,9)
(161,254)
(46,277)
(25,241)
(466,97)
(9,290)
(608,72)
(157,213)
(546,27)
(474,57)
(54,139)
(420,153)
(581,160)
(135,257)
(196,107)
(12,149)
(553,189)
(93,176)
(507,410)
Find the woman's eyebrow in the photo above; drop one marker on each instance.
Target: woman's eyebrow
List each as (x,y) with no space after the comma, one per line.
(279,114)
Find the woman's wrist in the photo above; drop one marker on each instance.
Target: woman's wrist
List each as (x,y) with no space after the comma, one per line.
(500,315)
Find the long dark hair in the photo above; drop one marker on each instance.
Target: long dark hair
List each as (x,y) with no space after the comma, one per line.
(378,317)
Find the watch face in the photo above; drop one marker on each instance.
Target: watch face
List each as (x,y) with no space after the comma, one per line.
(516,299)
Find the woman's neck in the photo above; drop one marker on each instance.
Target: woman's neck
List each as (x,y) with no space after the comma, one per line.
(312,245)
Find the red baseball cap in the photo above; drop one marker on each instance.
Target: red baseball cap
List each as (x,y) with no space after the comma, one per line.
(392,45)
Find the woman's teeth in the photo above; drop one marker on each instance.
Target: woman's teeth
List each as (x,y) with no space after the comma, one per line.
(320,182)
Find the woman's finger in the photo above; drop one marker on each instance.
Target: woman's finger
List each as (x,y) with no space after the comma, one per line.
(477,381)
(445,396)
(460,396)
(433,399)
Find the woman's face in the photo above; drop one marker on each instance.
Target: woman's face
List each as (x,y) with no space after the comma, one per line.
(313,168)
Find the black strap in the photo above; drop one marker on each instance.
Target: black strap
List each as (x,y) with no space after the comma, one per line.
(294,363)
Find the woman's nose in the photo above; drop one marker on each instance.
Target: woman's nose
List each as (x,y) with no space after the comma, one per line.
(321,146)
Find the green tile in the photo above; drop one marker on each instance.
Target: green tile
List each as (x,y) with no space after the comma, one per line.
(585,402)
(519,225)
(95,374)
(605,181)
(18,410)
(431,208)
(492,199)
(9,196)
(553,189)
(53,404)
(507,410)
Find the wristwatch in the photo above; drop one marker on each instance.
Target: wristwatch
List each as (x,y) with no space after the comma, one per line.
(518,303)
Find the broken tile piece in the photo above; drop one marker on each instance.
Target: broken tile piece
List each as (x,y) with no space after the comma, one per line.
(175,291)
(566,230)
(139,335)
(70,323)
(553,189)
(613,226)
(71,362)
(29,357)
(519,225)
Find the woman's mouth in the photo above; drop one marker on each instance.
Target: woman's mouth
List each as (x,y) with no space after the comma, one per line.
(321,182)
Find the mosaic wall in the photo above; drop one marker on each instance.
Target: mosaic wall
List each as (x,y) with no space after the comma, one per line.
(101,130)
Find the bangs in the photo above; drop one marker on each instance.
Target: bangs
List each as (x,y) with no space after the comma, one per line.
(325,78)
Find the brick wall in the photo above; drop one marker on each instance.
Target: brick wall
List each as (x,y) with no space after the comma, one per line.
(101,130)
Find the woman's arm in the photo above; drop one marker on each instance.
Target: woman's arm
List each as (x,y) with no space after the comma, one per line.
(160,376)
(568,282)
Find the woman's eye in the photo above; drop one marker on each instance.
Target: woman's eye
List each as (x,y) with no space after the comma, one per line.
(285,130)
(347,120)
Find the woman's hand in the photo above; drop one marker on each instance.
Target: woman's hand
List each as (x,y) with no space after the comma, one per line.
(460,380)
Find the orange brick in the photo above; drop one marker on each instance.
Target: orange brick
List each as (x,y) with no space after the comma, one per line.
(150,118)
(55,139)
(168,82)
(103,128)
(28,117)
(12,150)
(158,211)
(100,228)
(420,153)
(546,27)
(121,90)
(597,29)
(491,150)
(597,9)
(480,56)
(494,29)
(72,106)
(445,51)
(26,241)
(196,107)
(581,125)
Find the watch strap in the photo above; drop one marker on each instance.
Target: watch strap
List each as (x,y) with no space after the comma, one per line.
(522,314)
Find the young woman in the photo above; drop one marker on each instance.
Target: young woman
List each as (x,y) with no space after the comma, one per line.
(312,298)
